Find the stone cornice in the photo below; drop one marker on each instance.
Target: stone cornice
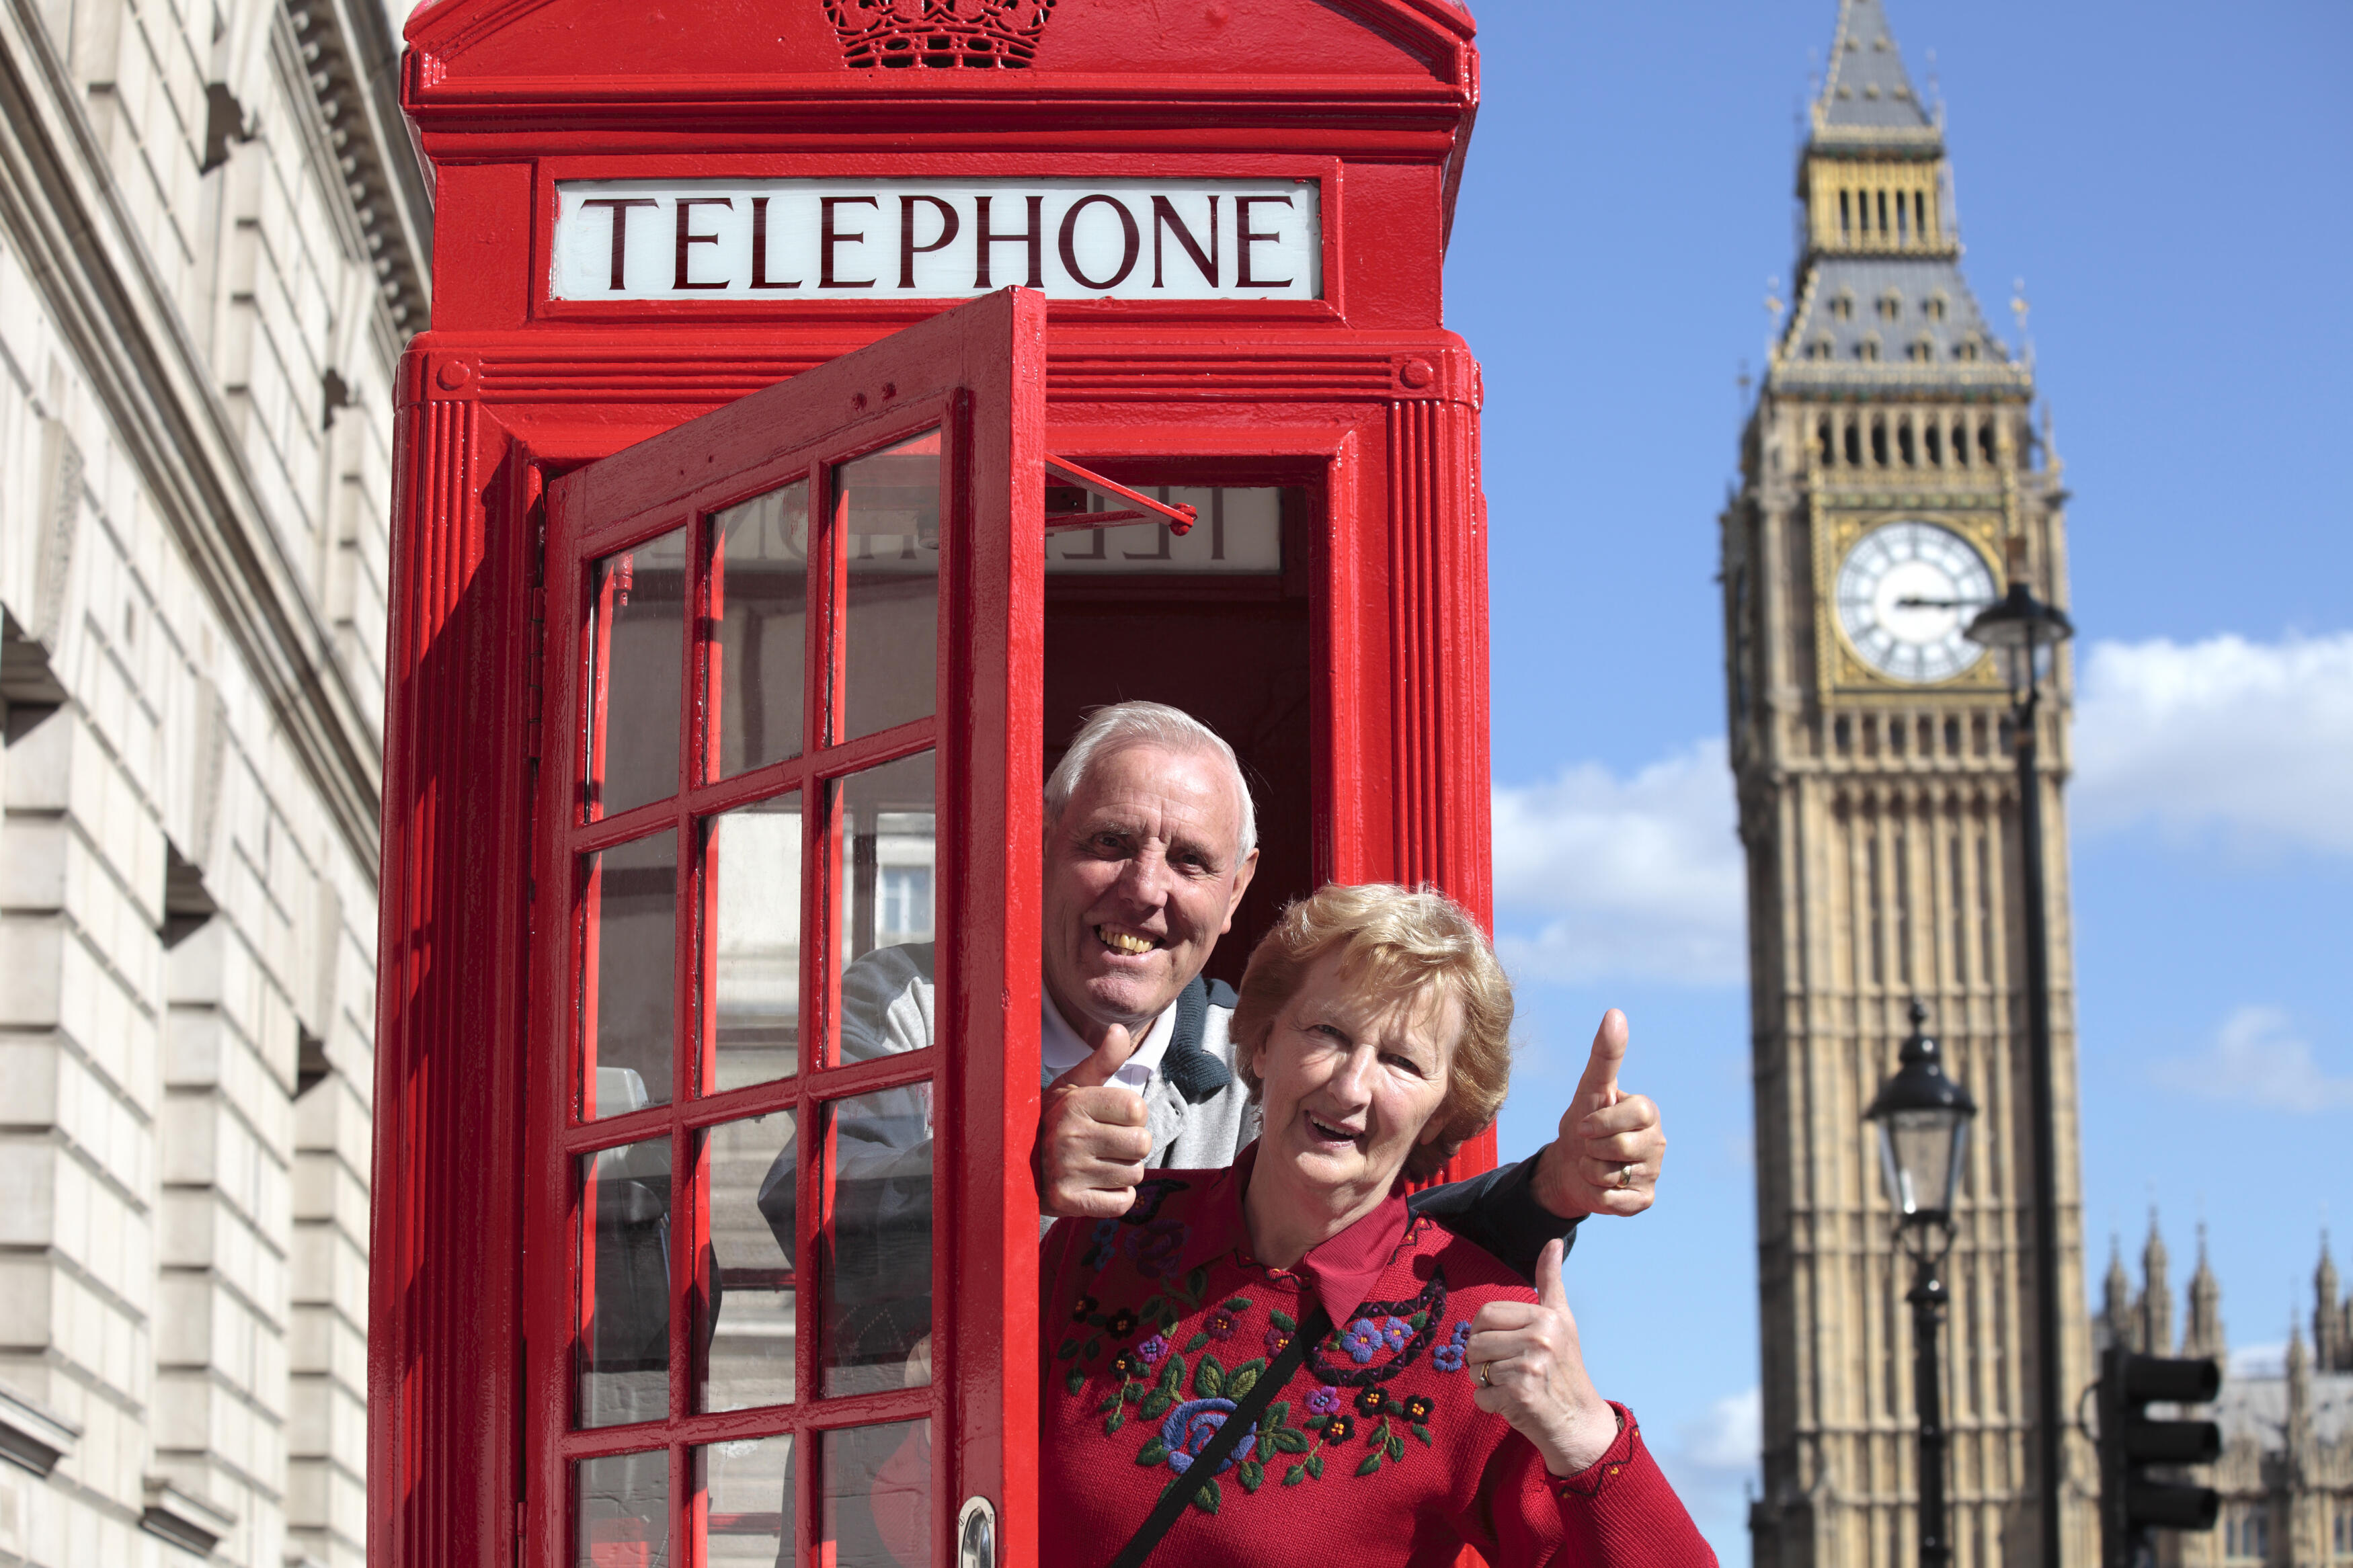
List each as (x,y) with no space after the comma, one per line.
(67,222)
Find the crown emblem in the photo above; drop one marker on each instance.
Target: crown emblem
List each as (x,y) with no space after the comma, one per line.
(947,33)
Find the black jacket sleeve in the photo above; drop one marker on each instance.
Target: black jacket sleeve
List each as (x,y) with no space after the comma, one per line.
(1499,1212)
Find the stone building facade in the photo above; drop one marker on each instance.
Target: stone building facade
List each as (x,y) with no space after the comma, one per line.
(2286,1471)
(1891,479)
(212,236)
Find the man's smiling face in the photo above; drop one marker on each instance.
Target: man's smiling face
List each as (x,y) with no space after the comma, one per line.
(1142,875)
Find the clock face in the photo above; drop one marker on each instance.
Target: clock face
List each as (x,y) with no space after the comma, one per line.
(1904,593)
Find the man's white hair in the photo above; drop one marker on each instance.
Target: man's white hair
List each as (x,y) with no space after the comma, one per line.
(1125,725)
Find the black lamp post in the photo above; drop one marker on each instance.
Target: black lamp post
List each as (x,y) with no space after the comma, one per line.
(1924,1129)
(2024,632)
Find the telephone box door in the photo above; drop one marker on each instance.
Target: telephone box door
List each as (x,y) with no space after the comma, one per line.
(781,1256)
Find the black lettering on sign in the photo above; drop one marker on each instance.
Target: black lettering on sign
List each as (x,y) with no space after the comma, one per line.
(1131,240)
(1165,216)
(686,205)
(1245,236)
(1159,554)
(909,249)
(827,240)
(1034,235)
(620,205)
(760,278)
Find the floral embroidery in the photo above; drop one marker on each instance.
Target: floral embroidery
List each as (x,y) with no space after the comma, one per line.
(1371,1400)
(1187,1424)
(1099,1242)
(1153,1350)
(1120,1322)
(1221,1325)
(1366,1338)
(1190,1427)
(1449,1356)
(1338,1429)
(1156,1247)
(1419,1406)
(1086,1304)
(1324,1402)
(1277,1342)
(1394,1334)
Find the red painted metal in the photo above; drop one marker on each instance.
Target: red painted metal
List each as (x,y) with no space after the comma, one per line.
(1365,662)
(1139,509)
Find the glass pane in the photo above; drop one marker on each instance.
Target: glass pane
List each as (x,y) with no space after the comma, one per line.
(637,638)
(886,896)
(624,1346)
(1239,533)
(752,882)
(628,975)
(890,514)
(874,1496)
(621,1509)
(759,589)
(743,1494)
(878,1222)
(745,1276)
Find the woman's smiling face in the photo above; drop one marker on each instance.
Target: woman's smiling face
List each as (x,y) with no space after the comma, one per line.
(1349,1083)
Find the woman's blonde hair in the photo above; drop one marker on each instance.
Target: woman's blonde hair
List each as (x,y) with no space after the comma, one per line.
(1399,944)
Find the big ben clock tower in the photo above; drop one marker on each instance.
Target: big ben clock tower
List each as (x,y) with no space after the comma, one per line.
(1892,483)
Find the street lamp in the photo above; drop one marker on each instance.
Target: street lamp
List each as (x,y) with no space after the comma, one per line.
(2026,633)
(1923,1132)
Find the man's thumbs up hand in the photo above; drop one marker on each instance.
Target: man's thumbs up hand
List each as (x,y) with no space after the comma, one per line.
(1092,1137)
(1610,1149)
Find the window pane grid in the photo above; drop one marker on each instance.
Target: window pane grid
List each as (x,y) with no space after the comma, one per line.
(685,1437)
(797,1095)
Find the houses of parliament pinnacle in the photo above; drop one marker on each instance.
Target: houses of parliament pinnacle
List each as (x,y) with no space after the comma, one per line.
(1892,474)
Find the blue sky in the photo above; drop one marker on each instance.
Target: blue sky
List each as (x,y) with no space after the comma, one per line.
(2172,183)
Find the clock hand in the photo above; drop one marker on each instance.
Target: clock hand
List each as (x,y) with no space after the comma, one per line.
(1915,603)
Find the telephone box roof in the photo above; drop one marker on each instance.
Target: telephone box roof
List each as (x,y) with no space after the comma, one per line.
(1003,60)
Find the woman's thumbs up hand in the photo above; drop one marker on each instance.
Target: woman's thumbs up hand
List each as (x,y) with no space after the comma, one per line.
(1525,1359)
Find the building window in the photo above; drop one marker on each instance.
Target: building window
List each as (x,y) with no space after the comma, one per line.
(1921,349)
(2246,1533)
(1890,306)
(1842,307)
(1966,349)
(1867,348)
(905,900)
(1820,348)
(1934,307)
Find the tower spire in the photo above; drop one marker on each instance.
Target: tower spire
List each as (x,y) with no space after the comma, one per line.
(1866,88)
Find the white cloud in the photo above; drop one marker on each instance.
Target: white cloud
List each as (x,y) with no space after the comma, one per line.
(2257,1058)
(2260,1361)
(2255,740)
(1729,1437)
(1598,877)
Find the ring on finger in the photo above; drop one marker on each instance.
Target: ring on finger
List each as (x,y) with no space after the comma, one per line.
(1486,1378)
(1626,1174)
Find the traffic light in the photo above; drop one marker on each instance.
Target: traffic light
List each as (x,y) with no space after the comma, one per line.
(2132,1502)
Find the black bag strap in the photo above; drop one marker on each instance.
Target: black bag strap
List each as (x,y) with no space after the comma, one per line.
(1238,1422)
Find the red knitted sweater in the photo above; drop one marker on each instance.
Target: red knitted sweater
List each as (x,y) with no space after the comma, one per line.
(1156,1323)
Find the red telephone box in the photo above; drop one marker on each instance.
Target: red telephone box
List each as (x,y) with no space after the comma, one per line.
(827,402)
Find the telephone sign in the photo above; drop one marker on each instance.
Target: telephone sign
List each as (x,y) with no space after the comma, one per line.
(930,239)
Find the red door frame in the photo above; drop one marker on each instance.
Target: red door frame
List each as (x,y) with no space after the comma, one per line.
(972,374)
(1364,388)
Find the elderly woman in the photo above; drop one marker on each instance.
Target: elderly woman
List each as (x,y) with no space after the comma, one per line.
(1276,1364)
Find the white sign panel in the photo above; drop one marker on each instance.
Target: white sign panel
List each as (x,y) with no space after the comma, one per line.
(930,239)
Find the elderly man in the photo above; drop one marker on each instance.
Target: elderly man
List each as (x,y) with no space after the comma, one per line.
(1151,842)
